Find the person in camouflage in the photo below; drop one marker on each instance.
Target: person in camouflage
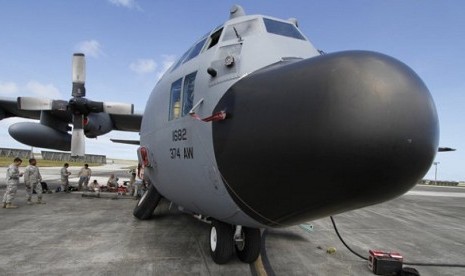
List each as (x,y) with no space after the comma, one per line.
(64,174)
(32,179)
(12,181)
(84,176)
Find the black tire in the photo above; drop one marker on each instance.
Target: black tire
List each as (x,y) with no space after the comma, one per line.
(249,250)
(409,271)
(147,204)
(221,242)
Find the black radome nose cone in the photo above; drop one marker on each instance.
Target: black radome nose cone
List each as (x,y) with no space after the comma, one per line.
(325,135)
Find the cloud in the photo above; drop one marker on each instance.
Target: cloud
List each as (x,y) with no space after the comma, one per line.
(130,4)
(167,62)
(8,88)
(143,66)
(43,90)
(90,48)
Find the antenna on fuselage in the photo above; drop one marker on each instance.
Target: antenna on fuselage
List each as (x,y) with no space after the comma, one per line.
(236,11)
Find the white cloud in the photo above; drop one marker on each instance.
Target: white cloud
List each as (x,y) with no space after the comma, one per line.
(90,48)
(167,62)
(8,88)
(130,4)
(143,66)
(43,90)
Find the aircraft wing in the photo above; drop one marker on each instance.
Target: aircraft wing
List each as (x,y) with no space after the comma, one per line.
(54,125)
(9,108)
(126,122)
(130,142)
(444,149)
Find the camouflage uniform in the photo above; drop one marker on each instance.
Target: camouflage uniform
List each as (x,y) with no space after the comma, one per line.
(32,179)
(64,173)
(84,176)
(12,181)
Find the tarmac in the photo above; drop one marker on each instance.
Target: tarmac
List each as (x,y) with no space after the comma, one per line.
(75,235)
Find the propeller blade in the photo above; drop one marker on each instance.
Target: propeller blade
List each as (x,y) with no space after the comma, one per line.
(77,137)
(79,75)
(31,103)
(118,108)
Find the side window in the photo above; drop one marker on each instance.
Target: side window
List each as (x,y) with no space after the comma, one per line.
(182,96)
(188,93)
(175,100)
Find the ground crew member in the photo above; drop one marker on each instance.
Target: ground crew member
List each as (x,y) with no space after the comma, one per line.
(12,181)
(64,173)
(132,182)
(112,183)
(94,186)
(84,176)
(32,179)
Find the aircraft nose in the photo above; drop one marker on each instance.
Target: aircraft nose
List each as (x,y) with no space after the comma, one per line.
(311,138)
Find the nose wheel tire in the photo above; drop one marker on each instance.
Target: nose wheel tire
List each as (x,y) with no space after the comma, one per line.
(221,242)
(147,204)
(248,250)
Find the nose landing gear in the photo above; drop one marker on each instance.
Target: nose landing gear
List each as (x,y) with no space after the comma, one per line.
(223,240)
(147,203)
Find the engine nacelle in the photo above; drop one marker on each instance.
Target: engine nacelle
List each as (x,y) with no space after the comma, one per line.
(97,124)
(38,135)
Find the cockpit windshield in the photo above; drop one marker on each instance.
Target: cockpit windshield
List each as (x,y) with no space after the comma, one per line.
(282,28)
(191,53)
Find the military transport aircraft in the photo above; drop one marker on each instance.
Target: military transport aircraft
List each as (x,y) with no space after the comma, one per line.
(254,128)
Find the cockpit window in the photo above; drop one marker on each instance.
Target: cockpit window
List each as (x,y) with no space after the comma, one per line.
(175,100)
(182,96)
(195,51)
(176,65)
(190,54)
(215,38)
(188,93)
(241,30)
(282,28)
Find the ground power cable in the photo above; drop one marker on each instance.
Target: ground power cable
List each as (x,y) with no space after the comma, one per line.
(405,263)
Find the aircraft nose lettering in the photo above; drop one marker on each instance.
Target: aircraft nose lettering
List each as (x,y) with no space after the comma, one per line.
(362,123)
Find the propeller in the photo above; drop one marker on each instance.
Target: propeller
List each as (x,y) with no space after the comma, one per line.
(78,105)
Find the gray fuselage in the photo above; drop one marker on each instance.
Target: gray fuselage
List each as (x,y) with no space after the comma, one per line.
(305,135)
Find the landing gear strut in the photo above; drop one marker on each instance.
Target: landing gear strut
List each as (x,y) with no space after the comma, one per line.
(248,245)
(223,239)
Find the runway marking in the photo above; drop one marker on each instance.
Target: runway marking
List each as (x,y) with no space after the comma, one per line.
(442,194)
(262,266)
(259,267)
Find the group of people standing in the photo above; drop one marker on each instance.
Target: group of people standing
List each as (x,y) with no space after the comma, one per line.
(32,179)
(84,176)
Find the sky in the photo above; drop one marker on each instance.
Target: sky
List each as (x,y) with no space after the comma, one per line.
(130,43)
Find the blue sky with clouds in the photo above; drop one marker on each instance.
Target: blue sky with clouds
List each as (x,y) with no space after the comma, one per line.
(130,43)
